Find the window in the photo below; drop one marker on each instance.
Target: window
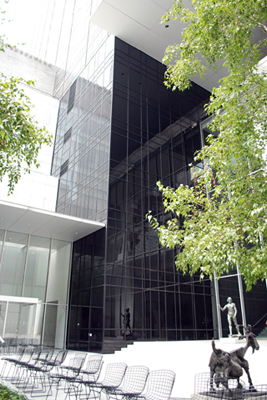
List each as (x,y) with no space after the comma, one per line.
(67,135)
(64,167)
(71,97)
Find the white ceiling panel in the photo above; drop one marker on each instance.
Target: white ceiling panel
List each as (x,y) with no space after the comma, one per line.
(166,4)
(171,32)
(143,12)
(28,222)
(147,44)
(118,23)
(9,215)
(45,224)
(137,22)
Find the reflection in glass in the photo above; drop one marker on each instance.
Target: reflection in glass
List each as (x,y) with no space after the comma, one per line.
(2,235)
(27,261)
(21,318)
(57,285)
(36,268)
(13,261)
(3,307)
(54,325)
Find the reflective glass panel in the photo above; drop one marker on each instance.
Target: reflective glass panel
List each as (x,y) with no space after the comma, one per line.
(21,319)
(3,305)
(54,325)
(13,261)
(58,277)
(36,268)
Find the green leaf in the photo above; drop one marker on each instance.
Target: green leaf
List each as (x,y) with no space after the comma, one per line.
(215,233)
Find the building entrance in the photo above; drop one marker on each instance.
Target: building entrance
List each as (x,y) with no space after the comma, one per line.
(20,319)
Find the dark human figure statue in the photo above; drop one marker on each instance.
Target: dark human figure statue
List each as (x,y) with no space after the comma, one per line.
(224,365)
(126,319)
(231,315)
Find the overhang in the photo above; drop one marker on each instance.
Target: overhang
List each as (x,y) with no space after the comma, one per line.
(46,224)
(137,22)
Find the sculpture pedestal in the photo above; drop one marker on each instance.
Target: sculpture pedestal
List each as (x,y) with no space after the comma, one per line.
(233,394)
(231,340)
(206,388)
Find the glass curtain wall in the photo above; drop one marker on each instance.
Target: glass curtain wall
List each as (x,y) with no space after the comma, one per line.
(84,85)
(81,152)
(85,329)
(12,263)
(81,162)
(33,305)
(154,135)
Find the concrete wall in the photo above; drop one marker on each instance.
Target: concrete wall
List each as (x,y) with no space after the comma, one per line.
(37,189)
(16,63)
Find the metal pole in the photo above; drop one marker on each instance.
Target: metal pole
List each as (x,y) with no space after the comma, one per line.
(4,324)
(217,297)
(241,296)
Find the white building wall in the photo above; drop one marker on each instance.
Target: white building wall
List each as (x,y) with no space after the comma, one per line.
(37,189)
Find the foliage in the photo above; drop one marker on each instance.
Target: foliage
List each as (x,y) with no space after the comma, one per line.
(20,135)
(224,213)
(7,394)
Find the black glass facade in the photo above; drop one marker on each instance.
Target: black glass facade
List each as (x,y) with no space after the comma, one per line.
(154,134)
(124,138)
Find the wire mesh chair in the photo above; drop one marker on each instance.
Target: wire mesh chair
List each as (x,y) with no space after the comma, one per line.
(88,376)
(20,377)
(112,379)
(3,347)
(159,385)
(133,383)
(13,362)
(39,373)
(11,345)
(217,387)
(30,374)
(256,393)
(58,358)
(66,373)
(7,360)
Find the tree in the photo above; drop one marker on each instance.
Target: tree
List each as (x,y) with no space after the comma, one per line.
(20,135)
(221,222)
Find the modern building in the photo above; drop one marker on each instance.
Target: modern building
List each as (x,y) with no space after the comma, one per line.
(93,259)
(36,242)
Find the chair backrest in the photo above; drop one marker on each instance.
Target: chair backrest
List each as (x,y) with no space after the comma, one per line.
(35,358)
(58,357)
(54,359)
(73,368)
(134,380)
(159,384)
(93,364)
(43,355)
(48,355)
(92,370)
(27,355)
(114,375)
(76,362)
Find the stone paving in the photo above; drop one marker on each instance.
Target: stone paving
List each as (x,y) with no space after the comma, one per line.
(185,358)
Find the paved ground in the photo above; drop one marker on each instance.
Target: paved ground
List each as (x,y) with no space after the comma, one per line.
(187,359)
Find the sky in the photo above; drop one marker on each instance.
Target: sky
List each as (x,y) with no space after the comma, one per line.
(21,20)
(31,26)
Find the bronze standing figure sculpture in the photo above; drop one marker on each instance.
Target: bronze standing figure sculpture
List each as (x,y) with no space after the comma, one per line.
(231,315)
